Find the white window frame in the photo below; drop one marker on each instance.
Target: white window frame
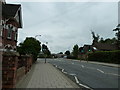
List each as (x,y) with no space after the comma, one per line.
(15,36)
(0,22)
(9,31)
(1,32)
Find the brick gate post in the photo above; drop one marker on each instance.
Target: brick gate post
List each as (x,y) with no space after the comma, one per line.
(9,69)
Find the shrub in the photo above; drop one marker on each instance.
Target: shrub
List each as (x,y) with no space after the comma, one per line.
(105,56)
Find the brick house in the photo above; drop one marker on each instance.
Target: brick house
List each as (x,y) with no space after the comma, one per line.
(10,22)
(105,46)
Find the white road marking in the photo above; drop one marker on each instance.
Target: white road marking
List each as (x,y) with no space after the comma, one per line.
(75,60)
(84,86)
(100,70)
(113,74)
(62,70)
(76,79)
(72,63)
(72,74)
(55,65)
(82,66)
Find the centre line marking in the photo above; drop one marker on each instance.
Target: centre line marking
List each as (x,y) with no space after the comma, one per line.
(100,70)
(113,74)
(82,66)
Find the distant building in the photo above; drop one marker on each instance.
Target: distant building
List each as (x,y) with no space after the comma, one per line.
(86,48)
(10,21)
(58,55)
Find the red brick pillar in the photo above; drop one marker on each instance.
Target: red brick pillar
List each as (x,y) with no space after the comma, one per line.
(0,70)
(9,69)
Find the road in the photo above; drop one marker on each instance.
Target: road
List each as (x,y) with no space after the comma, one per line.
(89,74)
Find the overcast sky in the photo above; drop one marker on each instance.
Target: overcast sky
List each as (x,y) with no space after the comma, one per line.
(64,24)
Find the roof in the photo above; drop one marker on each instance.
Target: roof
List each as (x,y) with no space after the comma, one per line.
(87,47)
(105,46)
(10,10)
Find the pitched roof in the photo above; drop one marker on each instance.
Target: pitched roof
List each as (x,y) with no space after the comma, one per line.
(10,10)
(105,46)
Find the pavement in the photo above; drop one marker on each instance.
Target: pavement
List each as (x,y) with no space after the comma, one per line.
(106,64)
(45,75)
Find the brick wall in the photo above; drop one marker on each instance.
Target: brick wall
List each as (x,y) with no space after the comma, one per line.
(0,69)
(20,73)
(26,61)
(14,67)
(9,68)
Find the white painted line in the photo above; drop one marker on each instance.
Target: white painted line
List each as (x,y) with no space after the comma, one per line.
(72,63)
(62,70)
(84,86)
(91,68)
(65,72)
(82,66)
(76,80)
(100,70)
(113,74)
(75,60)
(72,74)
(55,65)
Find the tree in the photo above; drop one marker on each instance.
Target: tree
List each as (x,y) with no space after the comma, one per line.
(29,46)
(61,53)
(75,51)
(95,38)
(67,52)
(45,50)
(118,35)
(101,40)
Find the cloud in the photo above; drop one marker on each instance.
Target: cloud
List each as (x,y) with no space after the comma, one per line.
(65,24)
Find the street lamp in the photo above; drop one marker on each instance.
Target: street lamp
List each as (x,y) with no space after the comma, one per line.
(36,36)
(45,50)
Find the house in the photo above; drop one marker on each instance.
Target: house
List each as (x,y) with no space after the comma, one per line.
(10,22)
(105,46)
(86,48)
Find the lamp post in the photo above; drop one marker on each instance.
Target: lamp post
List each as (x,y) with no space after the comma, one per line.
(46,52)
(36,36)
(36,39)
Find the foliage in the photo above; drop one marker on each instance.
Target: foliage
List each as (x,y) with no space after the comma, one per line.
(46,51)
(95,38)
(61,53)
(67,52)
(105,56)
(29,46)
(108,40)
(75,51)
(118,35)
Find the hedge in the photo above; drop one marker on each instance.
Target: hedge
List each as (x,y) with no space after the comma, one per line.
(105,56)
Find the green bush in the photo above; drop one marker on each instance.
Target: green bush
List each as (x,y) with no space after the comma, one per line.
(105,56)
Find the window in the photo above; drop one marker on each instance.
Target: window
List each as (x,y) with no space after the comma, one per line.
(9,34)
(15,37)
(0,32)
(0,22)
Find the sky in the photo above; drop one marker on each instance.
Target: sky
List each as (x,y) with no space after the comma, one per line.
(65,24)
